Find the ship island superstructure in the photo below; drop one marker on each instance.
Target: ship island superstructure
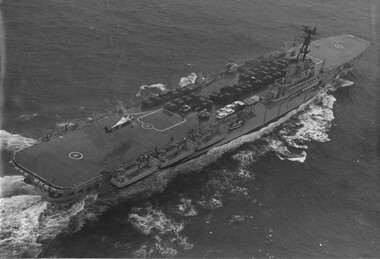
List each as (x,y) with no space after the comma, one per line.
(123,147)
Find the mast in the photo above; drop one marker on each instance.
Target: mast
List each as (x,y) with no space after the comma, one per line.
(310,34)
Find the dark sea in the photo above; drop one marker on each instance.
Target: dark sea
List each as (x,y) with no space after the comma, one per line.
(63,60)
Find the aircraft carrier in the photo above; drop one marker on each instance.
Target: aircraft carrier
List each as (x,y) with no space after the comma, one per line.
(123,146)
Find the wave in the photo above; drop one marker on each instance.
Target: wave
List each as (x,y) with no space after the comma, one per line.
(164,232)
(296,158)
(312,124)
(212,203)
(15,142)
(14,185)
(186,208)
(29,222)
(340,83)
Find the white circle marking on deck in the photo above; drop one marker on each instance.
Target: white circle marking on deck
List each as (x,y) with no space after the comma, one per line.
(338,46)
(147,126)
(76,155)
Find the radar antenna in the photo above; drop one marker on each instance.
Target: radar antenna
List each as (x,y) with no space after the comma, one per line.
(309,35)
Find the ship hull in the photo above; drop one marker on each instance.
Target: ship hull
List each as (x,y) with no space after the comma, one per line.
(251,131)
(301,101)
(77,162)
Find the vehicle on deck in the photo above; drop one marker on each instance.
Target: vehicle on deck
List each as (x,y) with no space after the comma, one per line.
(224,113)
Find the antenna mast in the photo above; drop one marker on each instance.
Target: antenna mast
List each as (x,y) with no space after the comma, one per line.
(310,34)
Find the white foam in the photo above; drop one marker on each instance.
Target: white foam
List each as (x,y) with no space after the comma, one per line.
(148,219)
(19,221)
(190,79)
(15,142)
(328,101)
(278,146)
(313,124)
(212,203)
(301,158)
(186,208)
(164,231)
(14,185)
(341,82)
(283,152)
(240,190)
(245,174)
(246,157)
(338,83)
(26,219)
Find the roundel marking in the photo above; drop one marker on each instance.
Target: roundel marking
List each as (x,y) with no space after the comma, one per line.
(76,155)
(147,126)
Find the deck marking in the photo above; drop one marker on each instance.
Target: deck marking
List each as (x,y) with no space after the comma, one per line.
(175,125)
(137,113)
(160,130)
(338,46)
(317,59)
(147,115)
(76,155)
(147,126)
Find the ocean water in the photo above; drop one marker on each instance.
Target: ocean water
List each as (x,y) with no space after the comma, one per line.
(64,60)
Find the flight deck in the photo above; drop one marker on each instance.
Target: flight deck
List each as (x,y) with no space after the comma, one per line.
(185,122)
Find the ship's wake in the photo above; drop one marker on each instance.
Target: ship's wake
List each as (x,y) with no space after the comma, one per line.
(311,123)
(185,208)
(288,142)
(14,142)
(14,186)
(28,222)
(164,233)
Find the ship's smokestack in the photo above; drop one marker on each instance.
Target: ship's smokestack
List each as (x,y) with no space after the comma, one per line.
(293,69)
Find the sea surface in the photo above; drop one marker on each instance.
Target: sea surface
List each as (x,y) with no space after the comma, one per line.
(63,60)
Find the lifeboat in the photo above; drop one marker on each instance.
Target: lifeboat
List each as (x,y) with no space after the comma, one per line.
(46,187)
